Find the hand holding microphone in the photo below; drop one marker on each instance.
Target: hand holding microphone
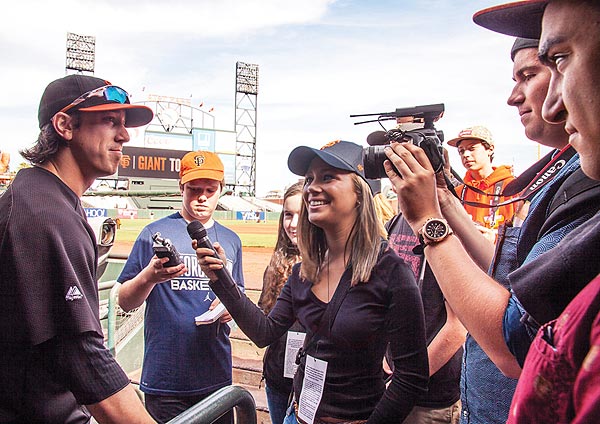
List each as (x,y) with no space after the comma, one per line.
(224,280)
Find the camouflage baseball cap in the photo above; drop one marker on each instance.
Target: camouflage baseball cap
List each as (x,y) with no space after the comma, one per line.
(477,132)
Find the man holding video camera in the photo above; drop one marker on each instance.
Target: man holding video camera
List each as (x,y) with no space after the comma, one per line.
(183,362)
(445,334)
(502,320)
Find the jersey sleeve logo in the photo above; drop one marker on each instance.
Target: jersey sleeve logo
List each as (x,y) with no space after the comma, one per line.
(73,294)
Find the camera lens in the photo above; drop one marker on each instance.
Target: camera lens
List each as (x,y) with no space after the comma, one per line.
(373,157)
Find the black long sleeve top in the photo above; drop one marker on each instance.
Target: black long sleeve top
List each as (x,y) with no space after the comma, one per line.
(387,308)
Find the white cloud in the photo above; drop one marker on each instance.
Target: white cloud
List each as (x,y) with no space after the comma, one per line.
(319,62)
(208,18)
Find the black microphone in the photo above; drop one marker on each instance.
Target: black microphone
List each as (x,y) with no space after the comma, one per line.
(378,138)
(197,232)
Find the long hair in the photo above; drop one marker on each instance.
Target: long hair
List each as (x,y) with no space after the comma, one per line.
(47,145)
(362,246)
(285,256)
(384,210)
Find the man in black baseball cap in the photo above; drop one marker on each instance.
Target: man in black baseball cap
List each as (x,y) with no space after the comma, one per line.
(85,93)
(54,366)
(564,385)
(560,380)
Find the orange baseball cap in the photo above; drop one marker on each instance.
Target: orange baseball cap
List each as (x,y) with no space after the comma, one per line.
(201,164)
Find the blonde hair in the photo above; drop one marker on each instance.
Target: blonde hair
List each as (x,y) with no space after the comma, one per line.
(384,210)
(362,246)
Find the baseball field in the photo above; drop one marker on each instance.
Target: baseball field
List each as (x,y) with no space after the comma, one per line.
(258,241)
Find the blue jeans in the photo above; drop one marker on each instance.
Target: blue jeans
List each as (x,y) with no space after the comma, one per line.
(290,415)
(278,404)
(486,393)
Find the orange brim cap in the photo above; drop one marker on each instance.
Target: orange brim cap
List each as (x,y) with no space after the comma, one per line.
(519,19)
(201,164)
(136,115)
(196,174)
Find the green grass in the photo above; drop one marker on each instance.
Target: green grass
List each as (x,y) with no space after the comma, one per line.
(258,240)
(252,234)
(130,228)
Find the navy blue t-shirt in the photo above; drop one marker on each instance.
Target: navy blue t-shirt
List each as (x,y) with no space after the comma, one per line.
(181,358)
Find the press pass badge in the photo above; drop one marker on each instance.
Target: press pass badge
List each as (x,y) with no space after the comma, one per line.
(315,371)
(294,343)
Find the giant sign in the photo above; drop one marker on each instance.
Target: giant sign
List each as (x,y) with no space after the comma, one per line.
(150,163)
(142,162)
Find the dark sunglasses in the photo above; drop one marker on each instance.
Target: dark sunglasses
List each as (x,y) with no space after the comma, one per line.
(111,93)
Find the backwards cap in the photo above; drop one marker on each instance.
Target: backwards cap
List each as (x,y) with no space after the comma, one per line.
(523,43)
(477,132)
(61,92)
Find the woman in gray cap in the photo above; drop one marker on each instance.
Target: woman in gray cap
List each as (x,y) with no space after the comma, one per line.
(351,293)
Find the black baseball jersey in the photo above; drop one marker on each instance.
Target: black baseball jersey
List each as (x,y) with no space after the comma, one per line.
(49,298)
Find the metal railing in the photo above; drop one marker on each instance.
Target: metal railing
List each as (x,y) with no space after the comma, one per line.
(219,403)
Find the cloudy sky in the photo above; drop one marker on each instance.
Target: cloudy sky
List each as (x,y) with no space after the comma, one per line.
(319,61)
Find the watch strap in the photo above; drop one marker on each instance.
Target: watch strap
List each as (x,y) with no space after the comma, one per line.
(419,249)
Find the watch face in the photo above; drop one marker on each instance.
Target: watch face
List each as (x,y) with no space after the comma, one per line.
(435,229)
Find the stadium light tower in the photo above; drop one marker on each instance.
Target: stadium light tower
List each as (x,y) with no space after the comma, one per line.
(246,92)
(81,53)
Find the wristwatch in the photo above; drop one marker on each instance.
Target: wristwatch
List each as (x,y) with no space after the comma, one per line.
(433,231)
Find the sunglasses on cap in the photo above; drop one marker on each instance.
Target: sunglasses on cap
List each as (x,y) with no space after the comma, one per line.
(110,93)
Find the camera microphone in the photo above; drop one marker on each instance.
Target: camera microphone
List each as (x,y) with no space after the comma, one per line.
(378,138)
(197,232)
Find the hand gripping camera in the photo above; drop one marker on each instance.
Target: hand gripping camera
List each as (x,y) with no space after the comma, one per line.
(426,137)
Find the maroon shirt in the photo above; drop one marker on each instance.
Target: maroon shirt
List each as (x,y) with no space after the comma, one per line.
(560,381)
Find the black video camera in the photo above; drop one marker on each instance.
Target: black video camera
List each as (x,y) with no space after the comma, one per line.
(427,137)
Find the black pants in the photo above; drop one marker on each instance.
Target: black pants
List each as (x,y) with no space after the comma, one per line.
(165,408)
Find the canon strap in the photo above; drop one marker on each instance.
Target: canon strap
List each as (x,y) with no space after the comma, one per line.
(530,181)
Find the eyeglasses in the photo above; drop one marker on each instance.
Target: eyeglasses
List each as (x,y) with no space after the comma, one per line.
(111,93)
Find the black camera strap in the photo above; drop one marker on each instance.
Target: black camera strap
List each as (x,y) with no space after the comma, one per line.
(326,322)
(530,182)
(327,318)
